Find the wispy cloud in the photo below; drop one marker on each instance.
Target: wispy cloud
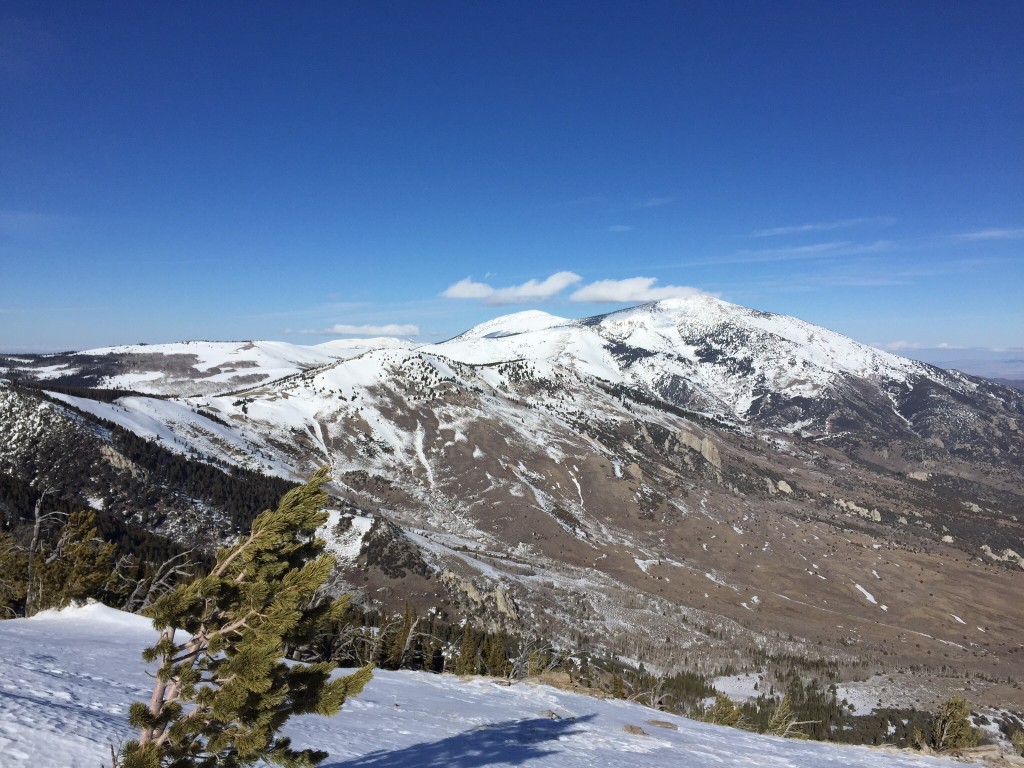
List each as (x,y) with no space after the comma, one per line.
(795,251)
(387,329)
(621,228)
(910,346)
(655,202)
(614,204)
(631,289)
(829,250)
(906,347)
(531,290)
(902,345)
(822,226)
(991,234)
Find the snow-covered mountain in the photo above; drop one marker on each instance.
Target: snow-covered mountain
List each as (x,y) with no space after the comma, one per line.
(68,678)
(724,360)
(727,355)
(660,482)
(187,368)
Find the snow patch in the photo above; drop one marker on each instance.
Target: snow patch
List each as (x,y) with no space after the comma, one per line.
(870,598)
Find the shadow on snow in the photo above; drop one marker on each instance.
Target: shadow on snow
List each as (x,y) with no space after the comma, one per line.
(509,743)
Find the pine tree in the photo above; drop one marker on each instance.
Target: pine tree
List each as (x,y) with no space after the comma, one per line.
(952,728)
(261,597)
(783,722)
(618,687)
(724,712)
(433,656)
(467,663)
(496,656)
(398,647)
(13,565)
(1018,742)
(74,567)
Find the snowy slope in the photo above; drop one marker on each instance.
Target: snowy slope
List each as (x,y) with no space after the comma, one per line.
(727,354)
(177,426)
(67,678)
(218,364)
(345,348)
(190,367)
(577,461)
(511,325)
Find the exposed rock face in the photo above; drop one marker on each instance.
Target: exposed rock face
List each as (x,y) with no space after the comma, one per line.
(1007,555)
(701,445)
(505,605)
(869,514)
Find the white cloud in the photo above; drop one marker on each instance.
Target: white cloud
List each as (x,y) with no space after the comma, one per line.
(531,290)
(992,234)
(387,329)
(823,226)
(467,288)
(632,289)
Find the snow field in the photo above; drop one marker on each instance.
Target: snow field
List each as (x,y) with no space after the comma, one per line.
(67,678)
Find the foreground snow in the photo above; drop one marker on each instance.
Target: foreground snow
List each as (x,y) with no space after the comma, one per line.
(66,680)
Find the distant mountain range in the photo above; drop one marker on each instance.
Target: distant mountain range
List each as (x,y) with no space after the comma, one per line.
(684,479)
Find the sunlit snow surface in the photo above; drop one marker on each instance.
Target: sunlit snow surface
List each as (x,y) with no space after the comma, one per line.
(269,391)
(788,355)
(66,680)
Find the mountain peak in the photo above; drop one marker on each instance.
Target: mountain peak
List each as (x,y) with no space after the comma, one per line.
(511,325)
(670,311)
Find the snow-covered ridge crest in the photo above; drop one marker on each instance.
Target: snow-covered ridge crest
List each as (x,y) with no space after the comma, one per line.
(698,353)
(201,367)
(513,324)
(726,356)
(675,324)
(568,450)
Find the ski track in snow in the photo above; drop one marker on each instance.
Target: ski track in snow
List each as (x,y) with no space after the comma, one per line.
(66,680)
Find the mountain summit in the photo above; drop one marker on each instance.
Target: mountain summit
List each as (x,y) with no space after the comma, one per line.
(721,359)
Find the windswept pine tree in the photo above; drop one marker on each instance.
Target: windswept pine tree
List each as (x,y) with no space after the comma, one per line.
(952,728)
(783,722)
(223,692)
(73,567)
(13,564)
(724,712)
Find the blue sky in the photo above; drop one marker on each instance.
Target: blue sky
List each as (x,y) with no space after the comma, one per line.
(268,170)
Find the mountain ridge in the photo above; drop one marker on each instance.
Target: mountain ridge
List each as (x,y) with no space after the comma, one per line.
(689,470)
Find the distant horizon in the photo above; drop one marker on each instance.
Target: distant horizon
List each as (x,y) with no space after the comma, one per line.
(232,170)
(1007,364)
